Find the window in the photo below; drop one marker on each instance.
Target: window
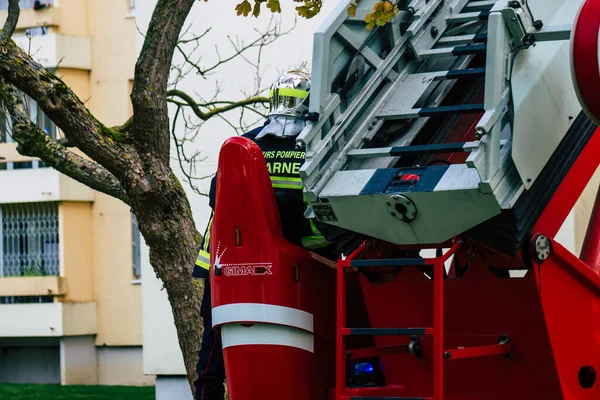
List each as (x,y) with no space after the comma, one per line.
(136,247)
(37,31)
(27,4)
(29,245)
(37,115)
(131,13)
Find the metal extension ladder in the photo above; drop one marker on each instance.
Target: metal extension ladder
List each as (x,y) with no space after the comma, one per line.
(381,101)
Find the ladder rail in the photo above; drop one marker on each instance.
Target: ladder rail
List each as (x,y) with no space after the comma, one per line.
(317,170)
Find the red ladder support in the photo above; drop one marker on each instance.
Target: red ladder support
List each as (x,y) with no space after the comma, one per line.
(437,331)
(438,328)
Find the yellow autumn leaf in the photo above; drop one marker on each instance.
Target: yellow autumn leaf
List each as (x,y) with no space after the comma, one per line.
(244,8)
(383,12)
(352,10)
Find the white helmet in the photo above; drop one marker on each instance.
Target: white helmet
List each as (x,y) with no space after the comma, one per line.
(289,94)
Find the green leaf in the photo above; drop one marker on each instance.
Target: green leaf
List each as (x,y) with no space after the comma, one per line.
(274,6)
(256,9)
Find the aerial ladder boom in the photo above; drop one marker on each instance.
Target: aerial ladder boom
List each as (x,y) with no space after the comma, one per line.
(446,149)
(455,117)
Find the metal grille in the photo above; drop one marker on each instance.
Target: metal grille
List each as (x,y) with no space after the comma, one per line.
(29,244)
(25,299)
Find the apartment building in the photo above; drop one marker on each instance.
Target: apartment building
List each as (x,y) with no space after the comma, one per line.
(70,257)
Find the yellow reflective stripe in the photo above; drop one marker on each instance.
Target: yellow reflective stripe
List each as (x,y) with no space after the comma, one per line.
(206,241)
(302,94)
(287,186)
(284,182)
(203,260)
(314,242)
(286,178)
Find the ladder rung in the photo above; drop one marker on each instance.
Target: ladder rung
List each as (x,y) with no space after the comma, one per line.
(468,17)
(434,111)
(440,148)
(387,331)
(390,262)
(454,51)
(479,6)
(452,74)
(462,39)
(478,351)
(451,110)
(465,73)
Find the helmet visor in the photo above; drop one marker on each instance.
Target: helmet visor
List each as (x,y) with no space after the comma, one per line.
(287,101)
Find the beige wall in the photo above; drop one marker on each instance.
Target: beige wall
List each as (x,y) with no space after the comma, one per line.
(122,366)
(75,238)
(119,301)
(78,362)
(113,59)
(72,17)
(78,80)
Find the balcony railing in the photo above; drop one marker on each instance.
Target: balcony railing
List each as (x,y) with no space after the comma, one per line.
(29,245)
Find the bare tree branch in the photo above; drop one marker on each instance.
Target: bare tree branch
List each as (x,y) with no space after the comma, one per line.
(195,38)
(181,157)
(150,118)
(269,36)
(187,99)
(64,108)
(13,18)
(34,142)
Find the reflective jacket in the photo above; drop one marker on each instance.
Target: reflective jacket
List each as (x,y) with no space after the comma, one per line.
(283,163)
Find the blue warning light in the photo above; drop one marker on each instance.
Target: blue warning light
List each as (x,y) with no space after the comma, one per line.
(363,368)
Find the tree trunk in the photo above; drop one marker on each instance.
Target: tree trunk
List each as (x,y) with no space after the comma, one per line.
(165,220)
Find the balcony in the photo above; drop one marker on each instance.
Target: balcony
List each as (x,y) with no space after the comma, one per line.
(33,286)
(51,49)
(42,246)
(31,183)
(29,18)
(47,319)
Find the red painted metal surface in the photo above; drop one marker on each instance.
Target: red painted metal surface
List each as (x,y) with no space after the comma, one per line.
(570,296)
(477,309)
(479,351)
(590,252)
(551,316)
(438,329)
(585,65)
(263,269)
(570,190)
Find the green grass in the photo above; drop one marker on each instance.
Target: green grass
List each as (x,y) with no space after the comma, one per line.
(9,391)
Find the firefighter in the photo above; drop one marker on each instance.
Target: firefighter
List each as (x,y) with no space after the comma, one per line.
(276,138)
